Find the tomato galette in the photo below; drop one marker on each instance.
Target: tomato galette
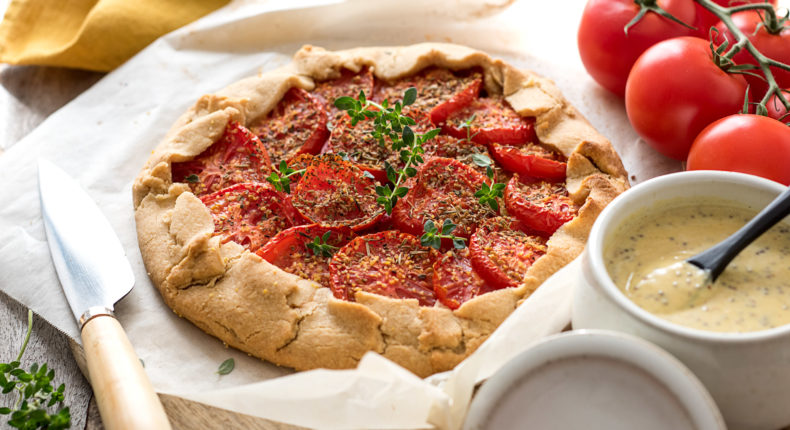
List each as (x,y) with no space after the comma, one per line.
(402,200)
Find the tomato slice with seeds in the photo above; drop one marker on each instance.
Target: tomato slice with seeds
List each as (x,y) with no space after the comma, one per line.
(531,160)
(358,146)
(336,193)
(238,156)
(249,214)
(443,189)
(348,84)
(440,93)
(494,121)
(295,126)
(454,279)
(501,253)
(388,263)
(288,250)
(542,206)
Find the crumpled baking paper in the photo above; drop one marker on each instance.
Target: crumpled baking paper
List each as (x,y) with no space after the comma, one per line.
(105,135)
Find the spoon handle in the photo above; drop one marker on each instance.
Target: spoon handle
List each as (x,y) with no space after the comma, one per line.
(717,257)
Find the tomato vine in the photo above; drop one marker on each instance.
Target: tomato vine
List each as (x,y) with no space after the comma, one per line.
(773,24)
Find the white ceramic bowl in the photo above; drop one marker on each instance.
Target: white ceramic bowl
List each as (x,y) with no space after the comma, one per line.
(748,374)
(593,379)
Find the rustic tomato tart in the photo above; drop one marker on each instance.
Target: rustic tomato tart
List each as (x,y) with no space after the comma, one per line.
(402,200)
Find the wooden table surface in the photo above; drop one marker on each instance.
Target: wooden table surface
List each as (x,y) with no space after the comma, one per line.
(28,95)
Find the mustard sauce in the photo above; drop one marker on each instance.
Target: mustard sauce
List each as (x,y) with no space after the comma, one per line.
(645,259)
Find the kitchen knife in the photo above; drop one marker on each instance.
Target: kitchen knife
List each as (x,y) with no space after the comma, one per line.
(94,274)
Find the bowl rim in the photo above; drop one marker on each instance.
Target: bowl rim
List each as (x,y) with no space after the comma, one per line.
(588,343)
(594,251)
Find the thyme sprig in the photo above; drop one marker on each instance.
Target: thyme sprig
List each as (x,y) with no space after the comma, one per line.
(320,246)
(35,393)
(282,181)
(389,123)
(433,237)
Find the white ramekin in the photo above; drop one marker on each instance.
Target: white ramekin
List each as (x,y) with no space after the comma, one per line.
(748,374)
(593,379)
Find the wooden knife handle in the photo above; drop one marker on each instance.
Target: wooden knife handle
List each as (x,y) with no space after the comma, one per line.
(123,392)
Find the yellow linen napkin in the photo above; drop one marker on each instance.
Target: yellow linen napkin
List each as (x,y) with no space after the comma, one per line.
(90,34)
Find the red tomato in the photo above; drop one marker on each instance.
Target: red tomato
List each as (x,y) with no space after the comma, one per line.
(238,156)
(494,121)
(249,214)
(348,84)
(454,279)
(501,253)
(675,90)
(706,19)
(389,263)
(335,193)
(531,160)
(439,92)
(776,109)
(541,206)
(752,144)
(444,189)
(459,149)
(774,46)
(297,125)
(608,52)
(289,250)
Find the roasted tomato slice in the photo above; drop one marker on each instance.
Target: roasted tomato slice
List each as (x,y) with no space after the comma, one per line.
(459,149)
(494,121)
(249,214)
(439,92)
(356,144)
(454,279)
(444,189)
(294,250)
(348,84)
(531,160)
(501,253)
(541,206)
(388,263)
(296,125)
(336,193)
(238,156)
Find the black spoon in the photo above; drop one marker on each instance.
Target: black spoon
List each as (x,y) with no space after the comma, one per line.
(715,259)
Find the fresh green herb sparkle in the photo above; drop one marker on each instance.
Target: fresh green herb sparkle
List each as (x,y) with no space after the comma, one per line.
(433,238)
(35,393)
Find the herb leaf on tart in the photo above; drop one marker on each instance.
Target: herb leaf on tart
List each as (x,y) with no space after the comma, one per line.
(305,250)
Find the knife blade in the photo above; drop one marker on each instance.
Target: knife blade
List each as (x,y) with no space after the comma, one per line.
(94,273)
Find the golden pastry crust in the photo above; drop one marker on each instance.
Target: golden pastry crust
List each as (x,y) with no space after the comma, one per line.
(254,306)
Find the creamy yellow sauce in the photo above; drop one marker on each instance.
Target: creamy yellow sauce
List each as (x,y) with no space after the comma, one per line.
(644,257)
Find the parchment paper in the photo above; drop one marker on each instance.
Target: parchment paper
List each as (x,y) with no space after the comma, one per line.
(104,136)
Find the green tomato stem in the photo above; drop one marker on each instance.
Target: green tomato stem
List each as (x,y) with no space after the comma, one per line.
(764,63)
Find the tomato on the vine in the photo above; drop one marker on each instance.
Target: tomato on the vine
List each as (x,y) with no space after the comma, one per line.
(675,89)
(745,143)
(608,52)
(706,19)
(774,46)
